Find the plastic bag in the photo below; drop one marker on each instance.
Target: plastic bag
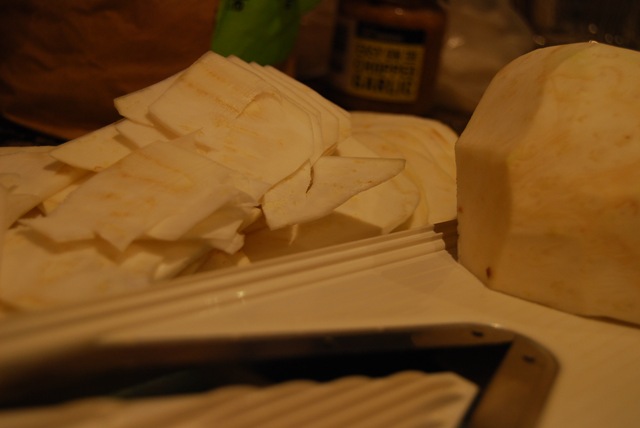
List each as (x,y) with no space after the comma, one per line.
(482,37)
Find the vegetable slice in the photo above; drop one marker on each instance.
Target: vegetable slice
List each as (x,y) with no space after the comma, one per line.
(94,151)
(385,206)
(215,90)
(128,199)
(135,106)
(38,273)
(31,176)
(335,179)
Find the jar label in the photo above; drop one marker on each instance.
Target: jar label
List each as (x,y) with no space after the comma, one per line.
(378,62)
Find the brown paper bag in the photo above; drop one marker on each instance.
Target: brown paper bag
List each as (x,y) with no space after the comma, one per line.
(63,62)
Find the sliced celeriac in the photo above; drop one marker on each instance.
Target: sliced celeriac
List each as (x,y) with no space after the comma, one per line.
(220,224)
(284,90)
(52,202)
(142,135)
(335,179)
(38,273)
(237,177)
(316,122)
(94,151)
(219,165)
(435,134)
(342,117)
(329,121)
(128,199)
(430,160)
(18,205)
(135,105)
(225,222)
(331,229)
(385,206)
(31,176)
(262,142)
(216,91)
(435,175)
(216,260)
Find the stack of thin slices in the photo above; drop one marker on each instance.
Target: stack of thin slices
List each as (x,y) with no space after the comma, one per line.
(220,165)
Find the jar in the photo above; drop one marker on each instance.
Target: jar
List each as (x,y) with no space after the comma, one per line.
(385,55)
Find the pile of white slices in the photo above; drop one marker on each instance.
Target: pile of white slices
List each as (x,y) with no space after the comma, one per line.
(225,163)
